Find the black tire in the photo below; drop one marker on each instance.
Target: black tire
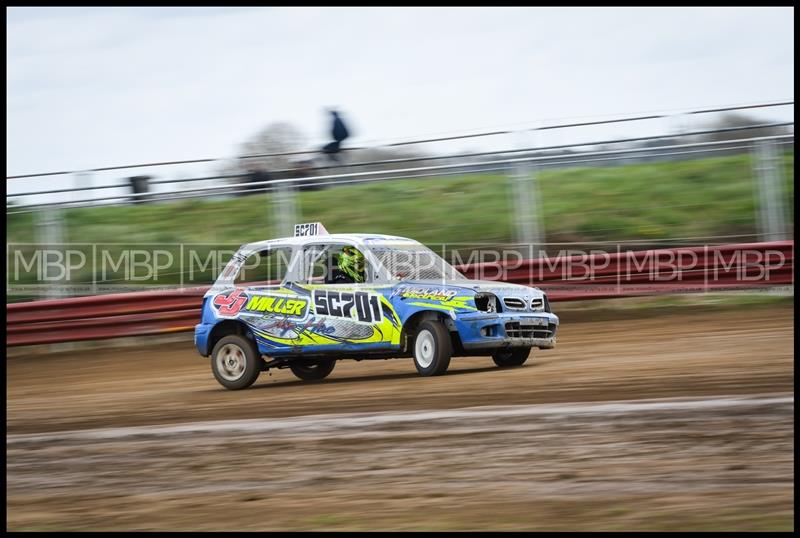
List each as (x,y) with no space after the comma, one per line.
(312,370)
(236,362)
(432,348)
(511,357)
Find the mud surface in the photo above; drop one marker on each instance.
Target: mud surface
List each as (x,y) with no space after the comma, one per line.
(704,442)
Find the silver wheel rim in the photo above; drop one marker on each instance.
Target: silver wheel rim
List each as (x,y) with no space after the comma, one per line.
(424,349)
(231,362)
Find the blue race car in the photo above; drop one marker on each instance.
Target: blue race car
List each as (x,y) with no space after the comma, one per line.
(306,301)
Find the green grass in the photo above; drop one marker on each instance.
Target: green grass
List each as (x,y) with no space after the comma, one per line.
(660,200)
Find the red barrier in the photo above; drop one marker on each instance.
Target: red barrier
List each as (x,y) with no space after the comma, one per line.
(569,278)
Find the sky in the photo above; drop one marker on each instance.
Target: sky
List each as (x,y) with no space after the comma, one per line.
(92,87)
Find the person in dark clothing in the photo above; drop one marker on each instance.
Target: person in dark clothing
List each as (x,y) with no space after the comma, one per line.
(339,133)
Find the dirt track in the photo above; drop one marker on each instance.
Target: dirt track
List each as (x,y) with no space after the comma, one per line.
(711,469)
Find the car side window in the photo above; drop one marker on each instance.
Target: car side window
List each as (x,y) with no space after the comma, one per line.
(265,268)
(335,264)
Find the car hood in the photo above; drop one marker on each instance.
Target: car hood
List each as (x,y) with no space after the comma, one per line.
(478,286)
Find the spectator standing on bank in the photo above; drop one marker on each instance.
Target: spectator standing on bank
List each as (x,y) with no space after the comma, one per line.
(339,133)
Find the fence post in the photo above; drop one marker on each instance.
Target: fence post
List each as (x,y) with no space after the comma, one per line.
(770,192)
(50,233)
(83,181)
(525,201)
(284,204)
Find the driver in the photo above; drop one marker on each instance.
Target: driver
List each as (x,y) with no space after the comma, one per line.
(351,266)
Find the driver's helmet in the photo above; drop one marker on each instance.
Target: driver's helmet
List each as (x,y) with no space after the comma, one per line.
(351,262)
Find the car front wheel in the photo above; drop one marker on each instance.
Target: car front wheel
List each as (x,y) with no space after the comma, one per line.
(432,348)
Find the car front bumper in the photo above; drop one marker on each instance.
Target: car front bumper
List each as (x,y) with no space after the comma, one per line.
(507,329)
(201,333)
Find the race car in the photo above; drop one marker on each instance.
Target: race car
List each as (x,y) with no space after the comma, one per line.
(307,301)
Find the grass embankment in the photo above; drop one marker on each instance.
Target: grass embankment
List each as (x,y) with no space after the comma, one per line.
(642,201)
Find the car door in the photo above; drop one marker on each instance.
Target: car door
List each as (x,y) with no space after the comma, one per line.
(345,315)
(257,295)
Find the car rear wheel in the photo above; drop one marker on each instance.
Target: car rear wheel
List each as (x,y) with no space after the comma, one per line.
(235,362)
(432,348)
(511,357)
(311,370)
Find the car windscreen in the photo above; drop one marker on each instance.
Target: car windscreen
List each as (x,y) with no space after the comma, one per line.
(414,261)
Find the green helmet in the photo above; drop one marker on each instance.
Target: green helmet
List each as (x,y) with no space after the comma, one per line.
(351,262)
